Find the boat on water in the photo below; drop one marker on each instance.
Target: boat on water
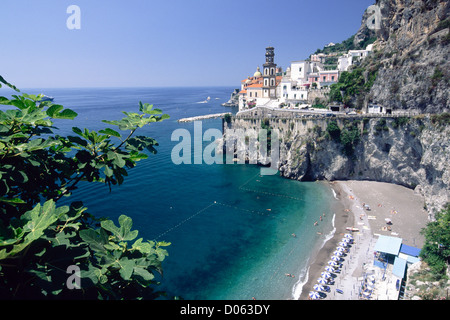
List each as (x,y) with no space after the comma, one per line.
(352,229)
(205,101)
(47,98)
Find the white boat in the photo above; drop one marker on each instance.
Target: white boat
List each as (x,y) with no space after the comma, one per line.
(47,98)
(352,229)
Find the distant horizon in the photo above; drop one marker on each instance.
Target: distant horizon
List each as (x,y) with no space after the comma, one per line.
(124,87)
(162,44)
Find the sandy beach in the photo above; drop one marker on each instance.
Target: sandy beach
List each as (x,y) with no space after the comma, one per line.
(402,205)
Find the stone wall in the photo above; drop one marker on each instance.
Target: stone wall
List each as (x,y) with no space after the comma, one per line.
(412,152)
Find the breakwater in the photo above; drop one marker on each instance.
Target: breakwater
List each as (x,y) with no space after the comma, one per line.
(208,116)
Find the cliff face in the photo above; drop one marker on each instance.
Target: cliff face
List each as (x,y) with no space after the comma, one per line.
(412,53)
(412,152)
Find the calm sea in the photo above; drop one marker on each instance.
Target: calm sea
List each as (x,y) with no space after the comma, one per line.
(235,234)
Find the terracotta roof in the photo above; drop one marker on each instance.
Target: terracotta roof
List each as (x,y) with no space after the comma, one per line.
(255,85)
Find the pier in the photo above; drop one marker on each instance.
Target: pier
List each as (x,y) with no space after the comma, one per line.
(208,116)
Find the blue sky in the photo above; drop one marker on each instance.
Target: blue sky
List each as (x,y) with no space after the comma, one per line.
(149,43)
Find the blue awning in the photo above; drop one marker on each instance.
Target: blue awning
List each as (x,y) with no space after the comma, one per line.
(410,251)
(399,267)
(390,245)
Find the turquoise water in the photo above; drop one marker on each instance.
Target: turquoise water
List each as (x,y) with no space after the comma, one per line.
(231,229)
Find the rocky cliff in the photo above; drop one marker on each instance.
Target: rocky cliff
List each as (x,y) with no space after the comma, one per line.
(413,152)
(411,54)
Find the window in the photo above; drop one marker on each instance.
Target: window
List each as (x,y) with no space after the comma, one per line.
(332,78)
(272,82)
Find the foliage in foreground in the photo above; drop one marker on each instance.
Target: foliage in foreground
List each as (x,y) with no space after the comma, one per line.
(49,251)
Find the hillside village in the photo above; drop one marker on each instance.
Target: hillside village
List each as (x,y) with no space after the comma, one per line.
(304,84)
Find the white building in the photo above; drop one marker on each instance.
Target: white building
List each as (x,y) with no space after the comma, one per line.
(348,59)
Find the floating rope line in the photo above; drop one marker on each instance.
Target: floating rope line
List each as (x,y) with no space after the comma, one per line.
(186,220)
(246,210)
(249,180)
(272,194)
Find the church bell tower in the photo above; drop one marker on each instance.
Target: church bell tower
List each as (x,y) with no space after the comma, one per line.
(269,75)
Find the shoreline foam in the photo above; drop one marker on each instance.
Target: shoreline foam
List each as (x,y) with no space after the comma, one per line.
(403,205)
(318,262)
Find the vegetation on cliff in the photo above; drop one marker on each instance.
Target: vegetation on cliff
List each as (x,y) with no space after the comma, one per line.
(436,250)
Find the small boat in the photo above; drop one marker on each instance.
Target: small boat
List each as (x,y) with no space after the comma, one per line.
(339,291)
(352,229)
(47,98)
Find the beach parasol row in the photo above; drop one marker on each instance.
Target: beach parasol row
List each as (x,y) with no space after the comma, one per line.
(331,267)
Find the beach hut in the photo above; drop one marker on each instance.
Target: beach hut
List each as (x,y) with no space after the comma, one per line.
(409,253)
(388,247)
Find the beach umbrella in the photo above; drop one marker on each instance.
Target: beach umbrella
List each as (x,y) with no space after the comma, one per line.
(314,295)
(338,253)
(346,240)
(326,275)
(319,287)
(340,248)
(330,269)
(343,244)
(335,258)
(370,286)
(332,263)
(322,281)
(348,235)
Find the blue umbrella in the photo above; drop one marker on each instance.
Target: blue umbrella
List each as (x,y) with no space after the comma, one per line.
(335,258)
(348,235)
(322,281)
(326,275)
(319,287)
(314,295)
(338,253)
(332,263)
(340,249)
(330,269)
